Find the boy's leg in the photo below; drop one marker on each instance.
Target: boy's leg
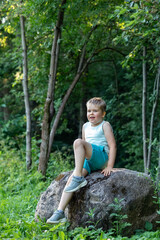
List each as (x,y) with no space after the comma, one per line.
(67,196)
(82,150)
(58,216)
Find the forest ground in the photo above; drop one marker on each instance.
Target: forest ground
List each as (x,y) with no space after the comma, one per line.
(20,192)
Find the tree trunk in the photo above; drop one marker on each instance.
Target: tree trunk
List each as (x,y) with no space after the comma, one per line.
(144,111)
(158,169)
(26,94)
(48,110)
(156,93)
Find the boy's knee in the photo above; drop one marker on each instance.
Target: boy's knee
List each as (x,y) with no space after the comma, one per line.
(78,142)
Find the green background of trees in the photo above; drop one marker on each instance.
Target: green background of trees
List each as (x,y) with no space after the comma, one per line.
(122,29)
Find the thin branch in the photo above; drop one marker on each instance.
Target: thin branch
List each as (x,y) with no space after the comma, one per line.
(156,92)
(110,48)
(144,110)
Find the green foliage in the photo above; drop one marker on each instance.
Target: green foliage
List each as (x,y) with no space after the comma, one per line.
(123,112)
(60,161)
(19,193)
(13,131)
(159,214)
(148,226)
(118,219)
(156,196)
(87,233)
(18,200)
(92,223)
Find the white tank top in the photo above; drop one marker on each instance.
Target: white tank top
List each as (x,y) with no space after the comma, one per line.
(95,135)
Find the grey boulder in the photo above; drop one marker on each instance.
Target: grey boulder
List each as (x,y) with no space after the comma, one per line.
(133,189)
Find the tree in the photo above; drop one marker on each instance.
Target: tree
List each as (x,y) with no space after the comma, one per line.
(156,90)
(144,109)
(50,95)
(26,94)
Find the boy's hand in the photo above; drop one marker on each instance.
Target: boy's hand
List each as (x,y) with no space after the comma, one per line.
(107,171)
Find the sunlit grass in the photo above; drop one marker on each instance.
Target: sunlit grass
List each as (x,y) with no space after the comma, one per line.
(19,194)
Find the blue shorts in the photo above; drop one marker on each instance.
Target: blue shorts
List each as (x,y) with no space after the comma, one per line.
(98,159)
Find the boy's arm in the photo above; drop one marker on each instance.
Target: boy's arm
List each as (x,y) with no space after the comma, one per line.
(112,148)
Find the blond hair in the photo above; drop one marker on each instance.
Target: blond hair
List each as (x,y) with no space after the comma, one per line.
(99,102)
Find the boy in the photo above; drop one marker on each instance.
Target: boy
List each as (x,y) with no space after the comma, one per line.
(95,151)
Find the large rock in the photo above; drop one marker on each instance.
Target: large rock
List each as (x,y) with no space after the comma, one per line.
(135,188)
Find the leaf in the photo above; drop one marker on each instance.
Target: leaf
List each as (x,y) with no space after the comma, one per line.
(148,226)
(61,235)
(55,227)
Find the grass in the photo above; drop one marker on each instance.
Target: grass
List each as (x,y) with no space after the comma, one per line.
(19,194)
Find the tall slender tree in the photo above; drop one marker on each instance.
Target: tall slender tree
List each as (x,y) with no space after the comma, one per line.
(48,109)
(155,102)
(144,110)
(26,94)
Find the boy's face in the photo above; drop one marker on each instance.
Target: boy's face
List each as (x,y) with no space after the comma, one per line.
(94,114)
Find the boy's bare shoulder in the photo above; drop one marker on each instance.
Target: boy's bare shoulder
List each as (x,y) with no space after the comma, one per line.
(107,125)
